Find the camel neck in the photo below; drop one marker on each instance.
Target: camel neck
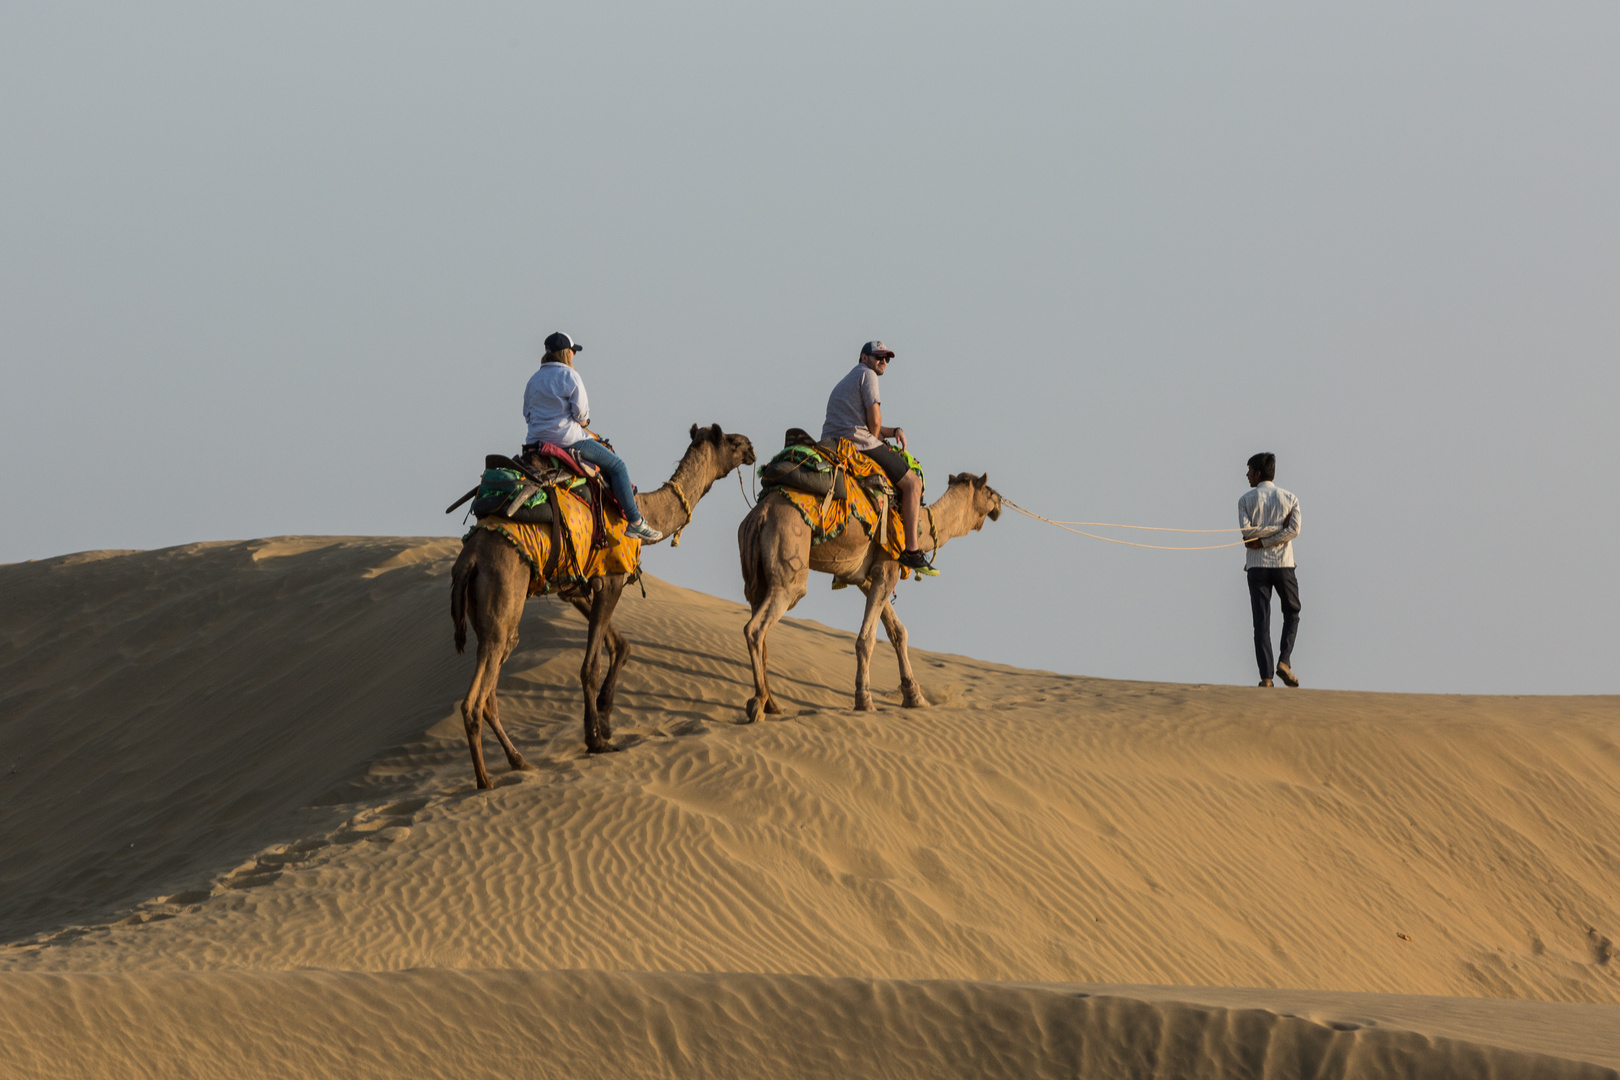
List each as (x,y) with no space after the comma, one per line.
(671,506)
(952,517)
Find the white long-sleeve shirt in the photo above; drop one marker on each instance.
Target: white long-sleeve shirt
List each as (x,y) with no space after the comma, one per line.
(1271,514)
(555,405)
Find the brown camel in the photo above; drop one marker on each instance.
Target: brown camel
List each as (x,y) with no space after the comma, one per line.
(490,582)
(777,558)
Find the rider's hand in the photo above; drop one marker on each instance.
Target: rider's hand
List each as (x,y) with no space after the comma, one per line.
(1252,545)
(900,434)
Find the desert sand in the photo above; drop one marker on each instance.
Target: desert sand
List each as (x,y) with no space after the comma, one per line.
(239,837)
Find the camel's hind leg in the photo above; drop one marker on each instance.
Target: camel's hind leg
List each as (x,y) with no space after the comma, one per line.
(496,594)
(473,707)
(909,690)
(765,616)
(492,714)
(775,546)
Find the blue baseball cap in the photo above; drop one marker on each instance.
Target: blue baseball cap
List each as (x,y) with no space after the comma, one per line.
(559,341)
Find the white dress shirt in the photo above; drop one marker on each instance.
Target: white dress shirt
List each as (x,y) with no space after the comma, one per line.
(555,405)
(1271,514)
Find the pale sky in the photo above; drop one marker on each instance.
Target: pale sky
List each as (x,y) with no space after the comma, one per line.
(270,269)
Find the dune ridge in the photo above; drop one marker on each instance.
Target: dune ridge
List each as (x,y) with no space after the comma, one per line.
(229,761)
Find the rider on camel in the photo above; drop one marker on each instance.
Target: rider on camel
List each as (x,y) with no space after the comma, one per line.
(855,412)
(558,412)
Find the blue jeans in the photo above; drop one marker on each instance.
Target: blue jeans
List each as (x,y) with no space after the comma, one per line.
(617,473)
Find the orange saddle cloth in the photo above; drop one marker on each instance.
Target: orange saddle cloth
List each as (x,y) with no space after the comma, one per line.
(828,517)
(550,568)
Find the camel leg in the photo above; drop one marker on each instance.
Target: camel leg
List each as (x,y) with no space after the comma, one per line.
(618,647)
(472,706)
(605,593)
(876,587)
(618,650)
(759,625)
(909,690)
(492,714)
(496,594)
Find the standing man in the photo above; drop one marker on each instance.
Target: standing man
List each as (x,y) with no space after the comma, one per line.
(1269,518)
(855,412)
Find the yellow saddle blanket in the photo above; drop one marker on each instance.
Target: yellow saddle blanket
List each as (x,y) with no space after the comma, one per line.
(550,568)
(828,517)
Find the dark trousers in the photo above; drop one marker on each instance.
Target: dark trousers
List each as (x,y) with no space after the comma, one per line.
(1262,579)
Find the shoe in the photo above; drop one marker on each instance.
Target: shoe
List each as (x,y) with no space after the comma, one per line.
(917,563)
(643,531)
(1267,682)
(1286,673)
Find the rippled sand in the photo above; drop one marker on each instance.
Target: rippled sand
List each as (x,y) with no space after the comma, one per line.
(238,836)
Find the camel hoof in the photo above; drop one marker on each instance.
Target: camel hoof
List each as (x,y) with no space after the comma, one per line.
(602,748)
(865,706)
(774,709)
(522,765)
(754,709)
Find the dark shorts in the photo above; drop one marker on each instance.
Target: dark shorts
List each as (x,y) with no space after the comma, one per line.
(891,461)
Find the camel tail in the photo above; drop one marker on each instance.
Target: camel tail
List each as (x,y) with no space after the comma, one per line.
(461,576)
(755,584)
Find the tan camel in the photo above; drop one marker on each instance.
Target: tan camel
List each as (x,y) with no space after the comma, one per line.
(490,582)
(777,558)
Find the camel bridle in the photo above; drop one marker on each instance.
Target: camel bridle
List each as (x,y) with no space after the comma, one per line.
(675,539)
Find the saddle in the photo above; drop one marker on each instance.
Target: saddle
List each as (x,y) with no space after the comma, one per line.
(522,488)
(809,466)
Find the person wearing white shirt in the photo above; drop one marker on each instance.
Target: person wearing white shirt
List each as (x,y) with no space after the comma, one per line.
(558,411)
(1269,518)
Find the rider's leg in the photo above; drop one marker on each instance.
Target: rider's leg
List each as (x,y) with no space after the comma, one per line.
(910,506)
(617,473)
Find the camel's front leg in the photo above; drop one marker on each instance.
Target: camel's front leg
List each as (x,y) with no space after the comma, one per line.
(617,647)
(605,592)
(909,690)
(876,587)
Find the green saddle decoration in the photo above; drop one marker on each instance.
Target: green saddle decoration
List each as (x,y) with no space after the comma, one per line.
(803,456)
(914,465)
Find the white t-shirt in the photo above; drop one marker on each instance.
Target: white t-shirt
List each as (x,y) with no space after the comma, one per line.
(555,405)
(846,408)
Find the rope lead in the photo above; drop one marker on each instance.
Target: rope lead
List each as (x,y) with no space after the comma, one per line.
(1066,527)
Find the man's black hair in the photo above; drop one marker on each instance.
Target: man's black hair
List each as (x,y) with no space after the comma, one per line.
(1266,464)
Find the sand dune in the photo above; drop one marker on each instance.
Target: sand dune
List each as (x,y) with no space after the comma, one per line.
(227,762)
(604,1024)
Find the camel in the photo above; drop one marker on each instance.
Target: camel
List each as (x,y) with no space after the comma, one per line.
(490,581)
(777,558)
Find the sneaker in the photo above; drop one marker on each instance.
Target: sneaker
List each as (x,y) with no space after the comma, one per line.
(1286,673)
(917,563)
(643,531)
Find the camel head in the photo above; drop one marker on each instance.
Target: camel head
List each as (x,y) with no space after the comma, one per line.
(731,451)
(984,499)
